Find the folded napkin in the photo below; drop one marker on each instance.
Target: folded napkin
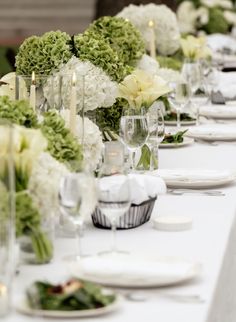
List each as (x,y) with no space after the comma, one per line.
(132,268)
(217,111)
(194,174)
(142,186)
(213,131)
(224,83)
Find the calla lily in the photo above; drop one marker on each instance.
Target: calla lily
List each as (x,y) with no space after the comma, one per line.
(142,89)
(195,48)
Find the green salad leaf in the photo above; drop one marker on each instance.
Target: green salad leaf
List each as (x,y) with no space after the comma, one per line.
(174,138)
(172,116)
(73,295)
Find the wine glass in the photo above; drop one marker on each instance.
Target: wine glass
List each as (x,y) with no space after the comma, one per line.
(134,130)
(179,98)
(156,128)
(72,198)
(114,197)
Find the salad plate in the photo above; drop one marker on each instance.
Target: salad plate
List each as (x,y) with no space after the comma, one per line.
(136,271)
(183,123)
(186,141)
(73,299)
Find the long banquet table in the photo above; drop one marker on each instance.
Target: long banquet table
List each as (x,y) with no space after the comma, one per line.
(211,241)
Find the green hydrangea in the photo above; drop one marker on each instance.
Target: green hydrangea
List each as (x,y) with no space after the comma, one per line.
(43,54)
(95,49)
(217,22)
(62,145)
(108,119)
(18,112)
(122,36)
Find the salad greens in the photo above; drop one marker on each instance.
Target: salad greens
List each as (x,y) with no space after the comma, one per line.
(172,116)
(174,138)
(73,295)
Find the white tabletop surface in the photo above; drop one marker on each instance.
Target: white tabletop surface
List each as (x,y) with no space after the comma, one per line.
(210,241)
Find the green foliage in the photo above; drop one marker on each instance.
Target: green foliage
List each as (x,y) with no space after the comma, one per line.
(174,138)
(94,48)
(62,145)
(52,297)
(169,62)
(122,36)
(43,54)
(108,119)
(217,22)
(18,112)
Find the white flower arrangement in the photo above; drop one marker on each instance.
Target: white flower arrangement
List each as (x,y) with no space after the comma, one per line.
(44,183)
(148,64)
(165,25)
(225,4)
(98,89)
(92,140)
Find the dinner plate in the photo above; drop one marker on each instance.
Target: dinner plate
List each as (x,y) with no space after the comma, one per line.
(213,132)
(23,307)
(224,111)
(136,270)
(183,123)
(186,141)
(195,178)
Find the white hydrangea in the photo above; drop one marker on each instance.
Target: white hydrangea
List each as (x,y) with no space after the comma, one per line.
(44,183)
(165,25)
(230,17)
(189,17)
(226,4)
(170,75)
(91,140)
(148,64)
(99,90)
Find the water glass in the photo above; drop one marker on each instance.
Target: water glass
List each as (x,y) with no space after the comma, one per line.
(134,131)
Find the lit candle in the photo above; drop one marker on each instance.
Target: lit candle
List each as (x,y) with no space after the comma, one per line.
(152,40)
(73,105)
(32,92)
(4,300)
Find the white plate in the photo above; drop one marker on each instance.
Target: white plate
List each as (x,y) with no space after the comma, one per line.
(136,270)
(183,123)
(185,142)
(24,308)
(195,178)
(227,111)
(213,132)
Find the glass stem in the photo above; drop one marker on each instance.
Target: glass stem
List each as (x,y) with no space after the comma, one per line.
(79,234)
(154,158)
(197,115)
(178,120)
(113,228)
(133,155)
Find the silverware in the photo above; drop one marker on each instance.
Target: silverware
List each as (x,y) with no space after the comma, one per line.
(141,296)
(196,191)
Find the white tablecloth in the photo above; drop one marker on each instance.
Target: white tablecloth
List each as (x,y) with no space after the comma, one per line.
(211,241)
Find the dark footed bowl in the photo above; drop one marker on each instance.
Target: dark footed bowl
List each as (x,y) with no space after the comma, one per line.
(137,215)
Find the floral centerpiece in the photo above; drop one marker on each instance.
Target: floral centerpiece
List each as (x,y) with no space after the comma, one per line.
(209,16)
(165,25)
(195,48)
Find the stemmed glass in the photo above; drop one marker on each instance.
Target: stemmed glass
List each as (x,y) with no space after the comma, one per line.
(156,128)
(72,198)
(179,98)
(134,130)
(114,197)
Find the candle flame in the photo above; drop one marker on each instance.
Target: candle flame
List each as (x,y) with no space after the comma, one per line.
(150,24)
(33,78)
(73,79)
(126,19)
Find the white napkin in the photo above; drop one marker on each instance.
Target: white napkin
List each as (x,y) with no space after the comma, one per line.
(213,131)
(226,84)
(219,41)
(218,110)
(132,268)
(194,174)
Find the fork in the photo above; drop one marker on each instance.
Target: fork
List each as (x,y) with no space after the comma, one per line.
(195,191)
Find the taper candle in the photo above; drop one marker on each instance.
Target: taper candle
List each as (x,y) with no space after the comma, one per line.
(33,92)
(152,42)
(73,105)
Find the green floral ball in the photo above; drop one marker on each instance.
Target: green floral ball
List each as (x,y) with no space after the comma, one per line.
(217,22)
(43,54)
(122,36)
(95,49)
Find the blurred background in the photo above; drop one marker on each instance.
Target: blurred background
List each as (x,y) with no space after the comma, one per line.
(22,18)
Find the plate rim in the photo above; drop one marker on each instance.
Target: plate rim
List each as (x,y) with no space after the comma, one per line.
(174,123)
(187,141)
(23,307)
(192,273)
